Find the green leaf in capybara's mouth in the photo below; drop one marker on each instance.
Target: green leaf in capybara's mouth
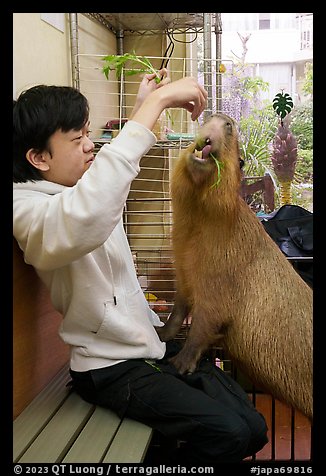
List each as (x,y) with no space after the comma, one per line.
(203,151)
(219,166)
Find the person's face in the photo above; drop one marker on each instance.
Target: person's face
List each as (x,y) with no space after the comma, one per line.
(71,155)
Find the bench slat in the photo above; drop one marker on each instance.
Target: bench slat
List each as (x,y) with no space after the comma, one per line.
(58,426)
(95,438)
(130,443)
(35,416)
(53,442)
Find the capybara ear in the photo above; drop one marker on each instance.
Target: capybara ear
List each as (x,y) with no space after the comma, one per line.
(241,162)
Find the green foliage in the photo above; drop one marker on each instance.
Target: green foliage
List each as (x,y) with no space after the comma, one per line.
(251,86)
(307,87)
(302,127)
(256,133)
(243,82)
(119,62)
(303,196)
(302,124)
(282,104)
(304,167)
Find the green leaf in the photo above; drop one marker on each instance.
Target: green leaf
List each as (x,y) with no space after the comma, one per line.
(219,166)
(118,63)
(282,104)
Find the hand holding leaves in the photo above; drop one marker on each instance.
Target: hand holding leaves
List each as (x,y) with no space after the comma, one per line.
(118,63)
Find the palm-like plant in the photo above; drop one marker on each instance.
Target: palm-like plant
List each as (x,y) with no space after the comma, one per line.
(284,150)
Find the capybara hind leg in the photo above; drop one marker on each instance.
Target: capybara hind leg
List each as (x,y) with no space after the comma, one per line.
(179,312)
(202,335)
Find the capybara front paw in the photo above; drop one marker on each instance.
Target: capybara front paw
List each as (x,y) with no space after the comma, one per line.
(163,333)
(182,367)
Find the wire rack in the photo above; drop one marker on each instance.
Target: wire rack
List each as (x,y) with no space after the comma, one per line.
(113,99)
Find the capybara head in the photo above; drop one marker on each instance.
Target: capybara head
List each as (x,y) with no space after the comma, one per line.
(211,166)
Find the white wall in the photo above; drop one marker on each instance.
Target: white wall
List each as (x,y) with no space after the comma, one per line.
(264,46)
(96,41)
(279,76)
(41,52)
(42,55)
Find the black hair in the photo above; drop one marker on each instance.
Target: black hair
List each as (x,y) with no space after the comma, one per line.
(37,114)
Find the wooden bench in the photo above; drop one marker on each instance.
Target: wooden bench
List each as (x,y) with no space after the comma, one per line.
(59,427)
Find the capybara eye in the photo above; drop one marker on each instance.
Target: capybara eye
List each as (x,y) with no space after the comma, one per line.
(228,126)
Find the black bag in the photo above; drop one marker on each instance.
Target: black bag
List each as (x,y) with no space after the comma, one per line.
(291,227)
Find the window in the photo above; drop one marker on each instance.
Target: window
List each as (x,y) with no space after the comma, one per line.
(239,21)
(264,21)
(283,21)
(305,25)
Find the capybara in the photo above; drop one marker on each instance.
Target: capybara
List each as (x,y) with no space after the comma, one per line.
(232,279)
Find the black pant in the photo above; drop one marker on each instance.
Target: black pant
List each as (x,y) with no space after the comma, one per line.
(207,409)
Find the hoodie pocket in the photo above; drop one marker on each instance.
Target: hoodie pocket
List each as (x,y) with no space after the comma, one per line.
(125,320)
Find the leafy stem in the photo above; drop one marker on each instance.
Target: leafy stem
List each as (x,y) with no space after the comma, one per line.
(118,63)
(219,166)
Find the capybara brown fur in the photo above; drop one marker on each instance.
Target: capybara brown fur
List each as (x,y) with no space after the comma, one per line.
(232,279)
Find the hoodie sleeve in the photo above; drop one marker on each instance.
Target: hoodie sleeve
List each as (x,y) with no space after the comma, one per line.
(57,228)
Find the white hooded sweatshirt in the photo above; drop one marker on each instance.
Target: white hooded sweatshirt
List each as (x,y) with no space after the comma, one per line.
(75,240)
